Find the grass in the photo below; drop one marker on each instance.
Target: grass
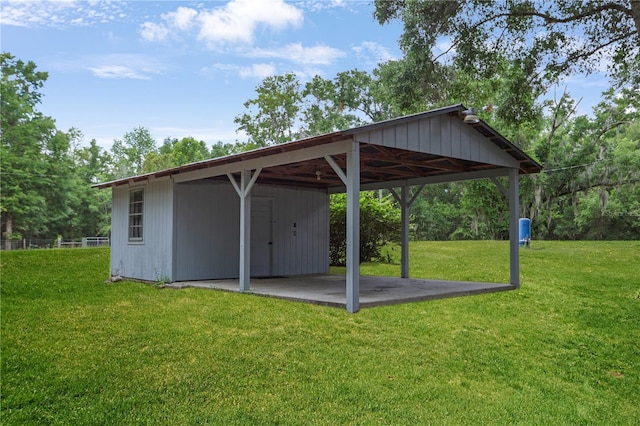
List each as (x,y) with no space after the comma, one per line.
(561,350)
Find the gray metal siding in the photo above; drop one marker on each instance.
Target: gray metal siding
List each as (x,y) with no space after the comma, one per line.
(440,135)
(412,131)
(306,251)
(207,236)
(207,230)
(151,259)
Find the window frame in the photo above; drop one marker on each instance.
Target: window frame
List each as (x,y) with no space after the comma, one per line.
(135,221)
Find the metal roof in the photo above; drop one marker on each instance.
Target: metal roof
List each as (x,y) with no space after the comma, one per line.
(378,163)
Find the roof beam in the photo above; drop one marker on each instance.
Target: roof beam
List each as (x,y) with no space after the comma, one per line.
(336,168)
(432,163)
(430,180)
(304,154)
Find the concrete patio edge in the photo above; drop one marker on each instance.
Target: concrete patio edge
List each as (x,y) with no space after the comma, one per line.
(329,290)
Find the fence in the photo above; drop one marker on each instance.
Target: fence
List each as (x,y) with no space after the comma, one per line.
(39,243)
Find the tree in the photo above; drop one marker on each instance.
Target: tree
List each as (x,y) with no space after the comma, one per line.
(63,188)
(272,116)
(607,208)
(174,152)
(351,99)
(590,170)
(24,134)
(130,152)
(484,212)
(46,177)
(548,39)
(324,112)
(436,213)
(504,97)
(379,224)
(92,213)
(406,92)
(221,149)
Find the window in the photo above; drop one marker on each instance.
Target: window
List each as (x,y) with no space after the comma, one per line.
(136,207)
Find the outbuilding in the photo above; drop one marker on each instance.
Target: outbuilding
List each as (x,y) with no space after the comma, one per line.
(265,212)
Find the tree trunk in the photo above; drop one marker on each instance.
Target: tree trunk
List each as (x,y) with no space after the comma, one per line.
(635,10)
(8,232)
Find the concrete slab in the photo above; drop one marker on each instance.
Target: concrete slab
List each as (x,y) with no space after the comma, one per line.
(330,290)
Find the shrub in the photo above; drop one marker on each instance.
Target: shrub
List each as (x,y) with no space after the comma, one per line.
(379,224)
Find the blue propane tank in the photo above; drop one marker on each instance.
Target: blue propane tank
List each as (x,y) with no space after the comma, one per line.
(525,231)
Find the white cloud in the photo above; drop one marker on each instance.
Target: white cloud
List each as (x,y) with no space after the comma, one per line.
(60,13)
(259,71)
(182,18)
(373,52)
(308,73)
(295,52)
(153,32)
(117,71)
(318,5)
(118,66)
(234,23)
(237,21)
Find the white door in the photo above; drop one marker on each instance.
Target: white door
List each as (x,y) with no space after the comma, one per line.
(261,236)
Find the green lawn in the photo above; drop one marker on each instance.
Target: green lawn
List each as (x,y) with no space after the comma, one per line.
(564,349)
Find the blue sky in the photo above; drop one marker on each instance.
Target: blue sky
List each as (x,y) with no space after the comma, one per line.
(183,68)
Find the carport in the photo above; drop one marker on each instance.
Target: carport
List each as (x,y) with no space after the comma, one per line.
(442,145)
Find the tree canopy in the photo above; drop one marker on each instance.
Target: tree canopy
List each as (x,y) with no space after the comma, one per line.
(129,153)
(548,40)
(271,117)
(27,139)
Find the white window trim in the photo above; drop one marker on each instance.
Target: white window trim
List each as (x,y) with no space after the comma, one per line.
(130,239)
